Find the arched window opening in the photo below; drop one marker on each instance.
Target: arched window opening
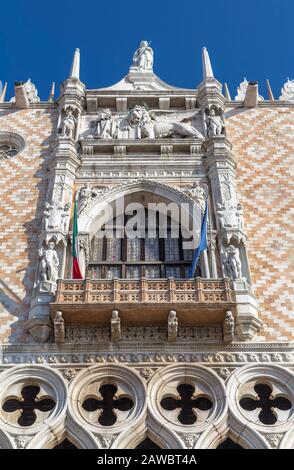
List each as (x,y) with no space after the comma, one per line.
(151,255)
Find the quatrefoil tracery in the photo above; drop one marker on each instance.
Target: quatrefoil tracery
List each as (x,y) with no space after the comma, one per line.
(267,404)
(108,404)
(187,403)
(27,404)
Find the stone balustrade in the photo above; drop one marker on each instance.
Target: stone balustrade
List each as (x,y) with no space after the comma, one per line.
(144,290)
(144,301)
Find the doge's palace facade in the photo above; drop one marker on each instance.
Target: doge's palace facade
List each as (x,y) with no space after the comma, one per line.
(138,353)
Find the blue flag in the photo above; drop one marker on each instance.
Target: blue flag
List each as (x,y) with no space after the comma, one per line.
(202,245)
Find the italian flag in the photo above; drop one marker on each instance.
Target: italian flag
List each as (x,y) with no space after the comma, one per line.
(76,272)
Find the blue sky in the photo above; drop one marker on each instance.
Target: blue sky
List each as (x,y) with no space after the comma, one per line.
(252,38)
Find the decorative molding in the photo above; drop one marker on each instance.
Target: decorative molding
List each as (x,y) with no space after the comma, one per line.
(189,439)
(274,439)
(22,441)
(75,334)
(105,440)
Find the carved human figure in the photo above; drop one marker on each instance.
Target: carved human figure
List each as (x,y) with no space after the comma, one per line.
(233,262)
(198,194)
(59,328)
(240,216)
(288,91)
(65,218)
(228,326)
(172,325)
(105,125)
(49,263)
(56,216)
(86,193)
(214,123)
(143,57)
(68,125)
(115,326)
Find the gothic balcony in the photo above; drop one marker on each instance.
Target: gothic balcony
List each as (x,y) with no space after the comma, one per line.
(143,301)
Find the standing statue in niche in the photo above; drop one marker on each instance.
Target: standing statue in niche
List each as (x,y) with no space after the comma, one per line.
(49,263)
(68,125)
(214,123)
(143,57)
(233,262)
(105,125)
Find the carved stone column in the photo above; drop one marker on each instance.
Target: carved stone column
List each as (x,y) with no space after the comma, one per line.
(221,170)
(63,164)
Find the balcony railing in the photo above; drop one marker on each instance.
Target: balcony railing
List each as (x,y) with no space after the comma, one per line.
(143,290)
(90,300)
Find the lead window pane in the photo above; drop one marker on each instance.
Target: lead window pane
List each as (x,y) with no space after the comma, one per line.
(173,271)
(96,272)
(152,271)
(134,249)
(133,272)
(97,248)
(172,252)
(112,271)
(188,255)
(151,249)
(113,251)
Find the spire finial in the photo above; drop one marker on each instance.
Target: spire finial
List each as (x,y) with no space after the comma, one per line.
(2,96)
(227,92)
(269,90)
(52,92)
(206,65)
(75,68)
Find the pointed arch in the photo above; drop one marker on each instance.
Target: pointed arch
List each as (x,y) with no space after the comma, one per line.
(77,435)
(148,429)
(107,196)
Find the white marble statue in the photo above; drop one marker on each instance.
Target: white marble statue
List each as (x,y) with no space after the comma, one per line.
(233,262)
(214,123)
(172,323)
(287,92)
(241,91)
(31,92)
(143,57)
(68,124)
(65,215)
(85,196)
(49,263)
(139,124)
(59,327)
(228,326)
(106,125)
(115,326)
